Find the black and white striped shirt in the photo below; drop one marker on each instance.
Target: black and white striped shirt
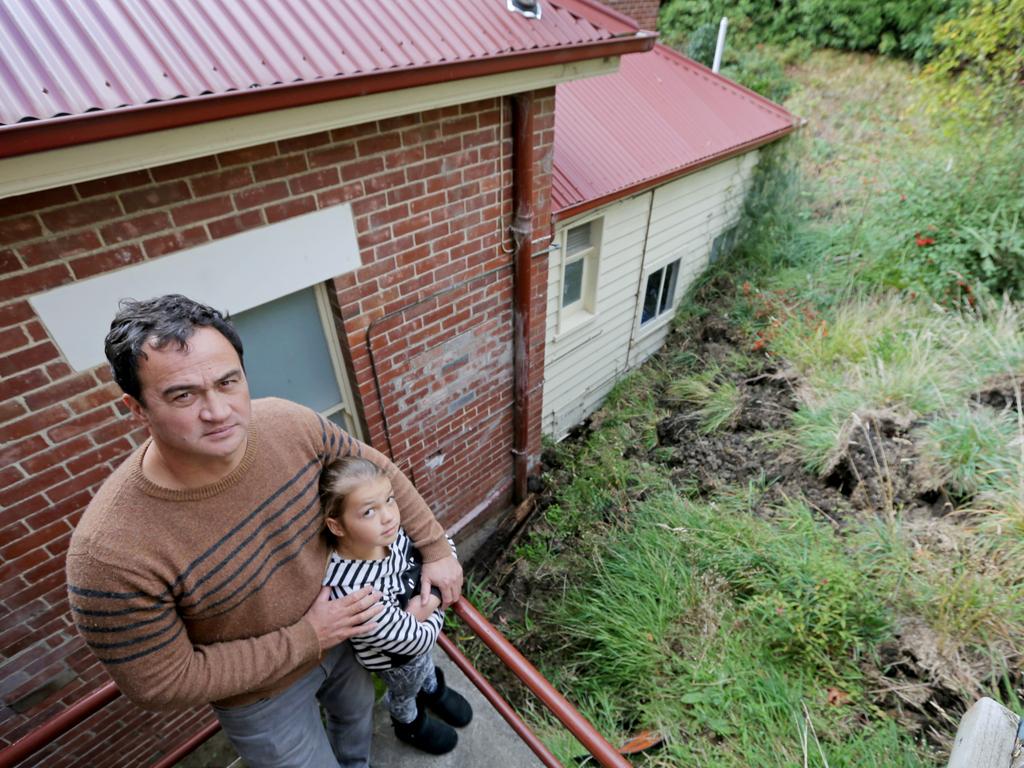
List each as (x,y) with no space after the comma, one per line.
(398,637)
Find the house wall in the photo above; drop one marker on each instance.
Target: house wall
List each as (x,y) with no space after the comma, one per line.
(430,193)
(582,366)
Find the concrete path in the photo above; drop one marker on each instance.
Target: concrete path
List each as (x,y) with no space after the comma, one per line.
(487,741)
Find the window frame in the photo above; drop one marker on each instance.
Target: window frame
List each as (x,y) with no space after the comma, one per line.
(582,311)
(664,316)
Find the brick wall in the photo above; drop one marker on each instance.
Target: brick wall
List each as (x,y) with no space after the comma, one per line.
(429,310)
(644,12)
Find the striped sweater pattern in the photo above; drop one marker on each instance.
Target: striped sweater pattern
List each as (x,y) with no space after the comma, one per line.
(399,637)
(197,596)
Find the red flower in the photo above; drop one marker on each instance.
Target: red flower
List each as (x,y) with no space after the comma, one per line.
(923,241)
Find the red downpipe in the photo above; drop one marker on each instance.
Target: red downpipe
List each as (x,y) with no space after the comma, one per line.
(578,725)
(522,231)
(503,708)
(35,740)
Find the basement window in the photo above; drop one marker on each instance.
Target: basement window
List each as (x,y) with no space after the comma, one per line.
(292,351)
(659,293)
(581,246)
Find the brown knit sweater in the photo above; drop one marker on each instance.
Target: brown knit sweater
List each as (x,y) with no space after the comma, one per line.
(197,596)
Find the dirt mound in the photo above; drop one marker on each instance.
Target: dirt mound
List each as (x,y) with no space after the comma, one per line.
(1002,392)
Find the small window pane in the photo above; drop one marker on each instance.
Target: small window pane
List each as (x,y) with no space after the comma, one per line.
(572,288)
(578,239)
(668,288)
(286,351)
(651,292)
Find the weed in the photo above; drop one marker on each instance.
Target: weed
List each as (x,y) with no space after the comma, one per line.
(717,399)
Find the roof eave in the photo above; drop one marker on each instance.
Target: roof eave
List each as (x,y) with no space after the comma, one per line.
(645,184)
(37,136)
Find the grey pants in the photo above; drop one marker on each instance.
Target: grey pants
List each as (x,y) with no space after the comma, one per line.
(286,731)
(405,682)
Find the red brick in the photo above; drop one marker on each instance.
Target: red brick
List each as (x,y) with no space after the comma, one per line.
(427,203)
(77,426)
(210,208)
(17,229)
(13,338)
(113,183)
(423,170)
(411,224)
(157,196)
(63,247)
(27,358)
(58,370)
(61,390)
(334,155)
(58,454)
(117,449)
(103,395)
(246,155)
(233,178)
(389,216)
(35,201)
(183,169)
(175,241)
(131,229)
(81,214)
(421,134)
(384,181)
(34,484)
(11,409)
(279,167)
(342,194)
(309,182)
(115,258)
(408,192)
(12,386)
(361,168)
(396,123)
(9,262)
(261,195)
(77,483)
(404,157)
(373,145)
(290,208)
(12,452)
(22,564)
(302,143)
(113,430)
(36,331)
(232,225)
(35,281)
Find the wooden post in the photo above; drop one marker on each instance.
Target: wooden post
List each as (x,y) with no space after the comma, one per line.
(986,737)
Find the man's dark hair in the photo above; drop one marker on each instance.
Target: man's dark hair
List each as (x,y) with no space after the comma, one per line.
(159,321)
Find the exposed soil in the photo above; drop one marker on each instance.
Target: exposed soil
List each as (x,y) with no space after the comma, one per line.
(873,470)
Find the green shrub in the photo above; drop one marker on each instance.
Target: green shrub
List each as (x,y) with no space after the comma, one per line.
(896,27)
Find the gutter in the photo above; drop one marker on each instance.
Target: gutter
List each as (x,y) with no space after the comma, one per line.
(53,133)
(656,181)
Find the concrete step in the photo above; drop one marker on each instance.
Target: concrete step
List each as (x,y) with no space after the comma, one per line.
(487,741)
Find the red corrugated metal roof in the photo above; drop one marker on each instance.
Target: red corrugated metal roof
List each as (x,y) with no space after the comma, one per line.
(660,115)
(62,60)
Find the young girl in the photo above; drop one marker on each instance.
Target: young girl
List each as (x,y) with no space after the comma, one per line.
(371,548)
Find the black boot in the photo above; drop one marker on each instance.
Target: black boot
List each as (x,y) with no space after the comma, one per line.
(426,734)
(446,703)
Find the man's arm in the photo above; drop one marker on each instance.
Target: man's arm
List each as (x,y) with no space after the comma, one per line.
(133,627)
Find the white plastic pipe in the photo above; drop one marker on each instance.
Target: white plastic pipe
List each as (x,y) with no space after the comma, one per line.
(720,45)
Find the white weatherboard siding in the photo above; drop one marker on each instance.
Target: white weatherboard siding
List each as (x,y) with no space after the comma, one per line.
(583,364)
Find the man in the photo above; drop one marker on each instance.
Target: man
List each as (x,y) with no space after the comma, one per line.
(194,574)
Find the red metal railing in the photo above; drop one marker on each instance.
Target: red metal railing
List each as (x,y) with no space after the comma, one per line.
(578,725)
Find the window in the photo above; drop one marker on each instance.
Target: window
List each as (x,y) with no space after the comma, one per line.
(291,351)
(723,245)
(659,292)
(579,273)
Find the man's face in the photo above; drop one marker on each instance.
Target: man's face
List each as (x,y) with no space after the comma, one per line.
(195,401)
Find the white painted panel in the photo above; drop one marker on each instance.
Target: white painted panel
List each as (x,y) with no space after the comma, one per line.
(233,274)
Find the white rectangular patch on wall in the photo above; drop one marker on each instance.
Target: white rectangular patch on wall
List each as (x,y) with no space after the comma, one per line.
(232,274)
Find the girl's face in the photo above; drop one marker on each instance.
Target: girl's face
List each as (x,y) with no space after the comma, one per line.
(368,522)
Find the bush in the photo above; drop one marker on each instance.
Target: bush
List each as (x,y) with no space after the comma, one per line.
(897,27)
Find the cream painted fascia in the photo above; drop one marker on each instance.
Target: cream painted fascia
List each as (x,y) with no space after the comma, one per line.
(69,165)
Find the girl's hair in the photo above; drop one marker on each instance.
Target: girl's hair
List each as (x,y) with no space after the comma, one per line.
(338,480)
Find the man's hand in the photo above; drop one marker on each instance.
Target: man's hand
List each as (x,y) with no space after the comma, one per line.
(446,575)
(421,607)
(337,620)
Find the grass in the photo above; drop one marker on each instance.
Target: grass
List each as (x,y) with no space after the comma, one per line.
(758,634)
